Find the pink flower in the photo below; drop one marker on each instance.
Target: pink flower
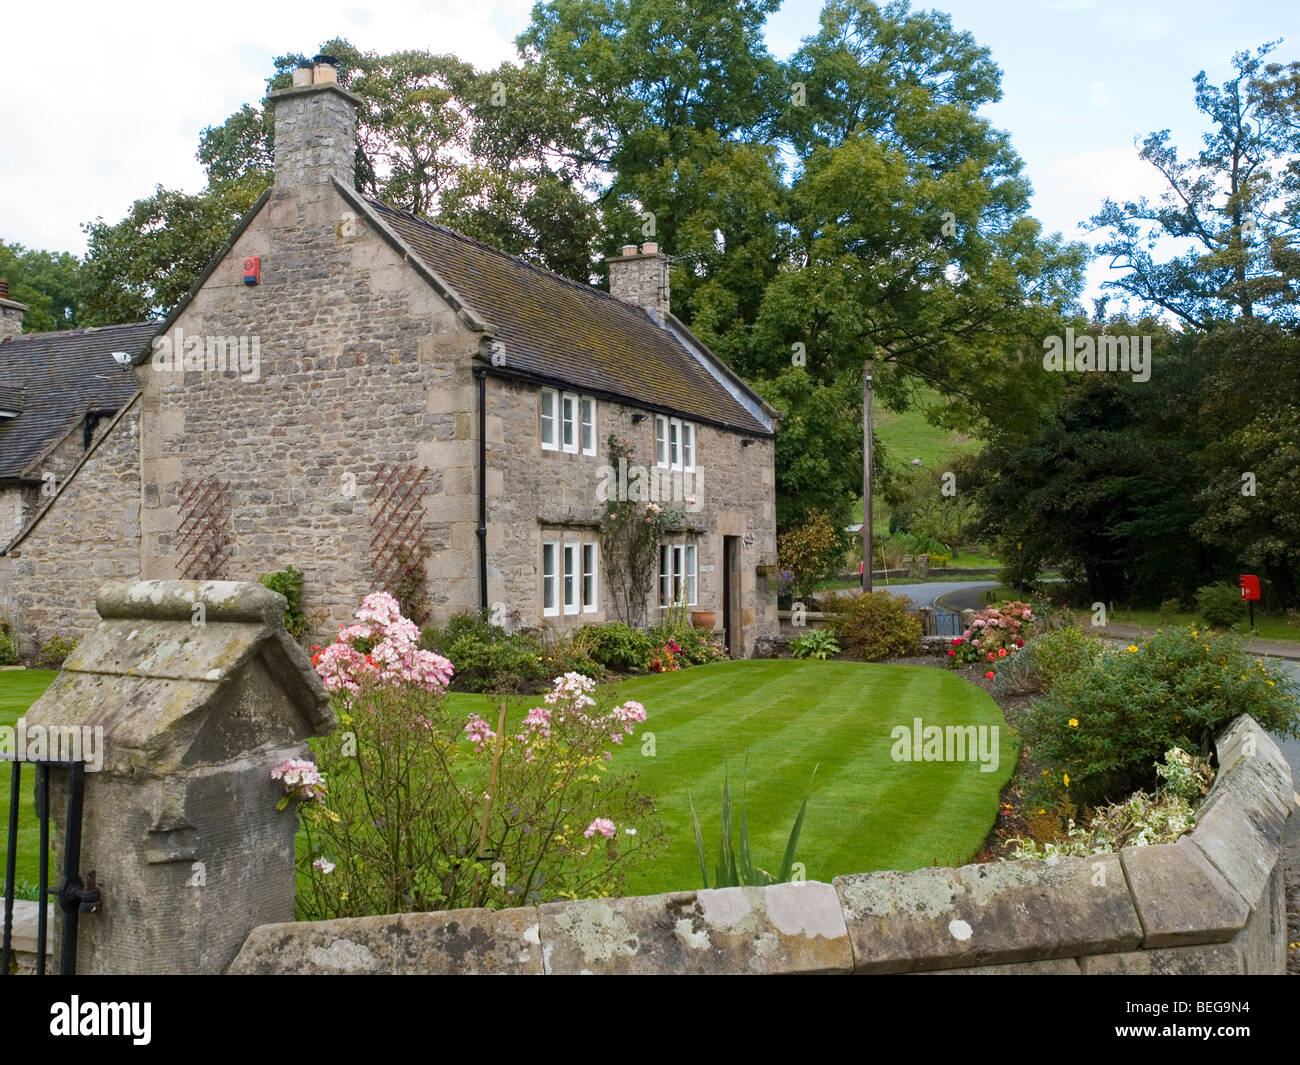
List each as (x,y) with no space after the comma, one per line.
(603,825)
(478,731)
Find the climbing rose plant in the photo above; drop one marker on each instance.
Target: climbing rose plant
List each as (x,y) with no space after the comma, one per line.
(434,805)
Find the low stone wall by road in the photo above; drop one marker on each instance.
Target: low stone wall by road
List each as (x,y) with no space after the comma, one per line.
(1211,903)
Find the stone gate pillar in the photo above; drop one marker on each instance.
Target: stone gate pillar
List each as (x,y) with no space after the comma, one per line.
(198,692)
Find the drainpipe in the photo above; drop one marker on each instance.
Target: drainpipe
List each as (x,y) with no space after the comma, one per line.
(480,374)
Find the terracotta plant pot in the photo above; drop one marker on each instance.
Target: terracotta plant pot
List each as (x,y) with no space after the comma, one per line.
(704,619)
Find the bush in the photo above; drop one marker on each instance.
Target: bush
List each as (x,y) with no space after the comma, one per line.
(55,651)
(426,810)
(810,551)
(1101,727)
(1045,659)
(879,625)
(1169,609)
(489,658)
(817,643)
(8,643)
(616,646)
(695,647)
(995,633)
(288,582)
(1220,605)
(1140,821)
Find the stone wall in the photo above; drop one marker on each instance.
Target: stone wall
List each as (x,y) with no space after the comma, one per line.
(1210,903)
(88,533)
(361,365)
(536,495)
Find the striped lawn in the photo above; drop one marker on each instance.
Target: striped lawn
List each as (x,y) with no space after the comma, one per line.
(866,811)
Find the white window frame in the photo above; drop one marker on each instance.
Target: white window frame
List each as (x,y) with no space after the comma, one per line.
(569,423)
(551,555)
(587,424)
(688,447)
(572,582)
(590,576)
(552,398)
(678,572)
(674,438)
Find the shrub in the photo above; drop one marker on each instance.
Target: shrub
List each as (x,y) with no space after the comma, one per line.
(491,659)
(1100,728)
(810,551)
(1169,609)
(879,625)
(426,810)
(816,643)
(616,646)
(288,582)
(1045,659)
(695,647)
(995,633)
(1220,605)
(55,651)
(8,643)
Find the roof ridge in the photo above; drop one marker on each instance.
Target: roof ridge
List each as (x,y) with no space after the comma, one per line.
(78,332)
(581,286)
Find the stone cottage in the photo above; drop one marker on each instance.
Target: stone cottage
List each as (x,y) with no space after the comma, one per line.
(366,395)
(57,392)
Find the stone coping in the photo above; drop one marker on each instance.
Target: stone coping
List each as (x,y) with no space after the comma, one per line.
(1203,904)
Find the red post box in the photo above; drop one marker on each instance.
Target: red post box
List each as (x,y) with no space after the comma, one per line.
(252,269)
(1249,585)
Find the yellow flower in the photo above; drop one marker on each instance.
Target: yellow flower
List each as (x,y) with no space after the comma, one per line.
(1074,722)
(1271,684)
(1067,779)
(1194,632)
(1132,648)
(1042,811)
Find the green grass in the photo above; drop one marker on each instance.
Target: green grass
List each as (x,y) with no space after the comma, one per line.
(866,812)
(19,688)
(909,436)
(1267,626)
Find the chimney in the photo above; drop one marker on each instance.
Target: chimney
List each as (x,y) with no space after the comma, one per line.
(11,314)
(315,127)
(640,276)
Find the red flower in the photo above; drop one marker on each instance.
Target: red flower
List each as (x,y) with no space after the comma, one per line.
(1002,652)
(990,656)
(952,654)
(989,674)
(1020,643)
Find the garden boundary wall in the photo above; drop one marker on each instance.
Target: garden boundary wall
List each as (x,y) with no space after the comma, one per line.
(1213,902)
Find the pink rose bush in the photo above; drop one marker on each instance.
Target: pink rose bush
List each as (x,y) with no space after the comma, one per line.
(434,805)
(994,633)
(394,657)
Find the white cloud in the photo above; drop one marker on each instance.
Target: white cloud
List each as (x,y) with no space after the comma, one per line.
(103,104)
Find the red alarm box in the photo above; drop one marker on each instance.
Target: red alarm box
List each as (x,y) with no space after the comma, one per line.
(1249,585)
(252,269)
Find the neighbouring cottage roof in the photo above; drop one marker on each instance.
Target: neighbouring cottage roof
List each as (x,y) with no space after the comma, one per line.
(554,329)
(55,379)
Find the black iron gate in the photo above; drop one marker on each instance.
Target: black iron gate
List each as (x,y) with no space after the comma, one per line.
(946,623)
(74,896)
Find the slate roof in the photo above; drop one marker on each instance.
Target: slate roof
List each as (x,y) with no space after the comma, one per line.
(59,378)
(559,330)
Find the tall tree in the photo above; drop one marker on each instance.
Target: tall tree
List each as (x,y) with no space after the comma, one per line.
(46,281)
(1231,208)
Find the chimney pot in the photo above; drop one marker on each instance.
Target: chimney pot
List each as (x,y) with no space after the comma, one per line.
(325,70)
(302,76)
(650,249)
(628,249)
(4,289)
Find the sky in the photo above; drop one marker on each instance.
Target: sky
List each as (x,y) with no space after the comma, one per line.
(100,102)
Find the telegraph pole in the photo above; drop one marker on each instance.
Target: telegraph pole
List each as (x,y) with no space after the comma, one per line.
(867,459)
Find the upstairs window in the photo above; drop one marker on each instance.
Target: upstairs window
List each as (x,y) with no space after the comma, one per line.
(550,400)
(568,422)
(674,444)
